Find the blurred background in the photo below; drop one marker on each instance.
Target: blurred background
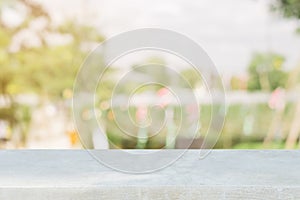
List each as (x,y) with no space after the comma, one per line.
(255,45)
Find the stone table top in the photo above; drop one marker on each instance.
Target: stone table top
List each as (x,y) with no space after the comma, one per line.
(222,174)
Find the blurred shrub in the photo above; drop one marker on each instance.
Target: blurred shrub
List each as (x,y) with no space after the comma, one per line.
(266,73)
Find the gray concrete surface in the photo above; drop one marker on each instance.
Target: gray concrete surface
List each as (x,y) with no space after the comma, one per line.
(223,174)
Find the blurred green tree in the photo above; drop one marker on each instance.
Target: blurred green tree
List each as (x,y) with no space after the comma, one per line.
(44,68)
(32,60)
(266,73)
(288,8)
(192,77)
(291,9)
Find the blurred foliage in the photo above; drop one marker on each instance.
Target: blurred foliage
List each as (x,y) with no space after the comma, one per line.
(245,127)
(192,78)
(45,69)
(289,8)
(154,68)
(49,70)
(238,83)
(40,66)
(259,145)
(266,72)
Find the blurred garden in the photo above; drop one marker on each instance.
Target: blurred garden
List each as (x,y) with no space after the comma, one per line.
(39,60)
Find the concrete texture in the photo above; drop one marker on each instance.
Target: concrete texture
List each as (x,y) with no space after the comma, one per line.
(223,174)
